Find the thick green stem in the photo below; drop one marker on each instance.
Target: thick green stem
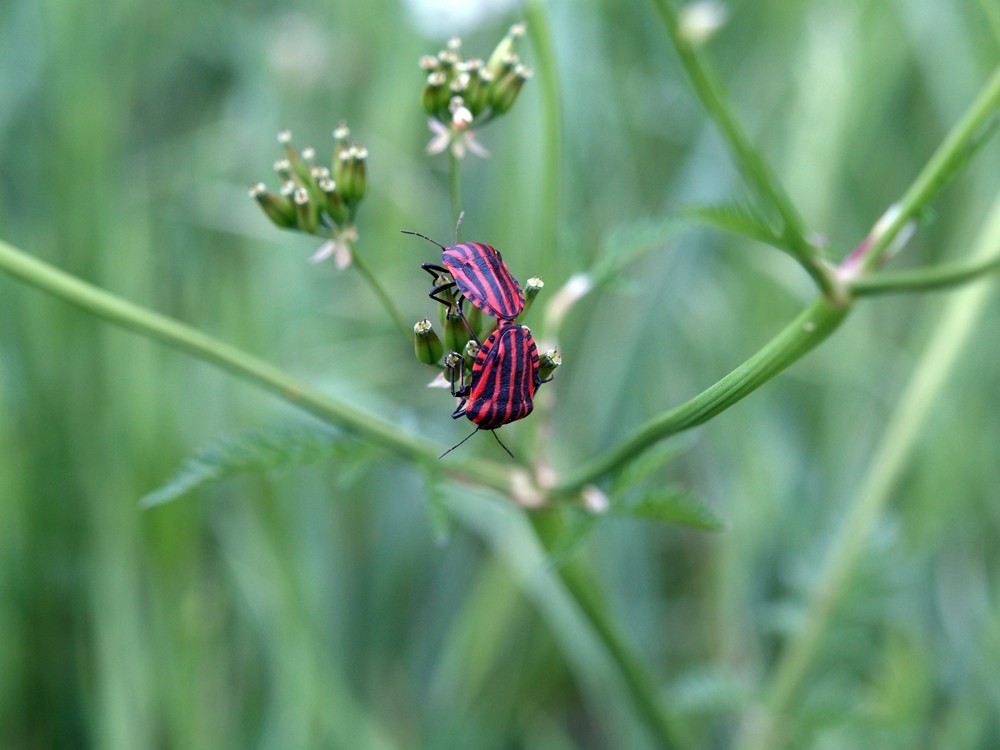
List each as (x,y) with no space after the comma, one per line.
(304,396)
(810,328)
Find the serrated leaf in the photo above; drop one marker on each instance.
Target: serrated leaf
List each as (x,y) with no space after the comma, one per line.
(253,451)
(626,243)
(739,218)
(653,459)
(673,506)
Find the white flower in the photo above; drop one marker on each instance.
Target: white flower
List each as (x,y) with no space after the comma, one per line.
(457,139)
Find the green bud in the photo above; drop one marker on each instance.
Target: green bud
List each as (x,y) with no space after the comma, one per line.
(307,212)
(340,144)
(333,202)
(428,63)
(505,49)
(531,290)
(504,91)
(456,335)
(475,317)
(548,363)
(297,166)
(351,174)
(470,352)
(279,209)
(451,362)
(477,92)
(426,344)
(436,94)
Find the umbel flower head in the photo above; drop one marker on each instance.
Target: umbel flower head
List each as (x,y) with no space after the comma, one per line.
(462,94)
(316,199)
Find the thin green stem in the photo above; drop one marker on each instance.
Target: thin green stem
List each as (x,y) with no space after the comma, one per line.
(455,185)
(943,164)
(252,369)
(548,76)
(905,427)
(924,279)
(753,168)
(662,724)
(387,302)
(812,326)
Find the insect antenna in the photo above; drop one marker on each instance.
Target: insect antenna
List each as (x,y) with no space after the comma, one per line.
(502,445)
(459,443)
(417,234)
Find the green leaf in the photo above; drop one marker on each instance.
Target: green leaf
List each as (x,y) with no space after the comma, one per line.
(742,219)
(628,242)
(655,458)
(252,451)
(673,506)
(577,528)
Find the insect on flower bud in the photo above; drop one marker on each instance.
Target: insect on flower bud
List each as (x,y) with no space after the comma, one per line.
(279,209)
(426,344)
(548,363)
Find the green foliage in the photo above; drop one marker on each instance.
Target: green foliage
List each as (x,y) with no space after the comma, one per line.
(256,451)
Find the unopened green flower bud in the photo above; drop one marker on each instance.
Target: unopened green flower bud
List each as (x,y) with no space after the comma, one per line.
(470,352)
(307,212)
(426,344)
(340,135)
(333,202)
(456,335)
(428,63)
(477,93)
(531,289)
(504,91)
(283,168)
(475,317)
(505,49)
(351,174)
(548,363)
(279,209)
(297,166)
(436,94)
(451,363)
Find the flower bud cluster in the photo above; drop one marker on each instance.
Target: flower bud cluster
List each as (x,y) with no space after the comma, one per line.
(460,93)
(315,198)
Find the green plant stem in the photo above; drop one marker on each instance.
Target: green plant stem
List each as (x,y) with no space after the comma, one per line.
(580,584)
(387,302)
(185,338)
(455,185)
(753,168)
(812,326)
(548,76)
(905,428)
(924,279)
(943,164)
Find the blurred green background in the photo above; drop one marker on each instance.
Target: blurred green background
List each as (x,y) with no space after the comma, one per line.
(311,606)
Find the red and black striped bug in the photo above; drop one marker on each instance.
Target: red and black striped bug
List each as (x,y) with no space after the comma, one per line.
(504,380)
(481,276)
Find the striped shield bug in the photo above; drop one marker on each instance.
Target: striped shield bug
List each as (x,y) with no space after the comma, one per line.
(504,380)
(480,275)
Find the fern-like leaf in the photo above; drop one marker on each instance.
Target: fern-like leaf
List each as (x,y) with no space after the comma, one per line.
(252,451)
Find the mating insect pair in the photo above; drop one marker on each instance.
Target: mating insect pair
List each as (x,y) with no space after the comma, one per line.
(505,371)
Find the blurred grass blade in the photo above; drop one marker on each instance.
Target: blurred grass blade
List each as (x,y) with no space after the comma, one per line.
(437,506)
(253,451)
(626,243)
(643,467)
